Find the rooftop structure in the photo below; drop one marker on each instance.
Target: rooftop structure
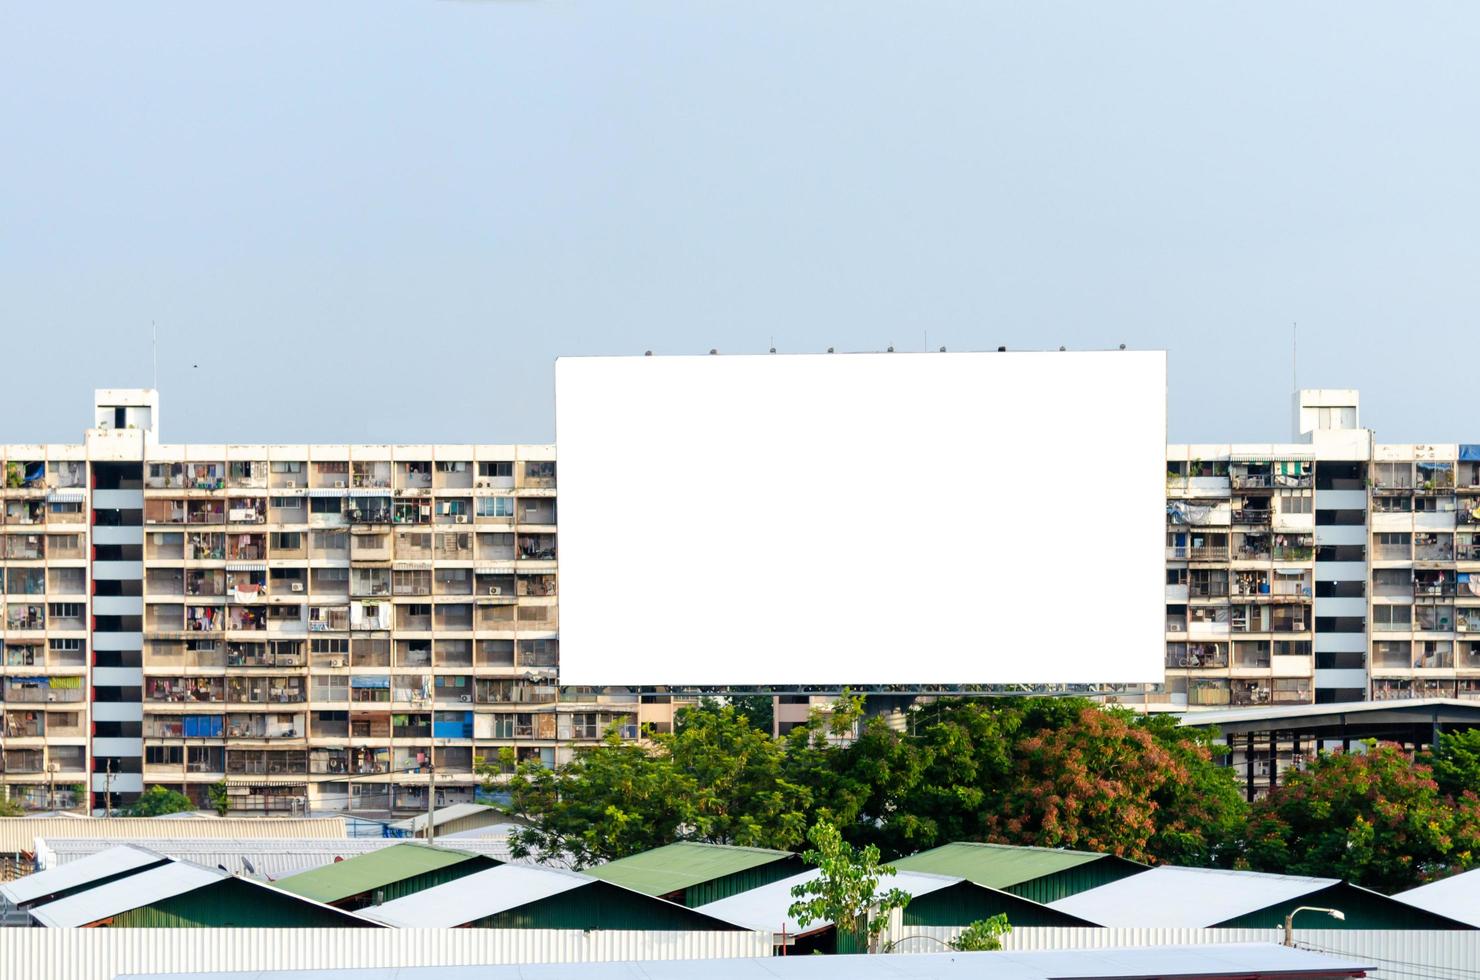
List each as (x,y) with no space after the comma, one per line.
(384,875)
(693,873)
(1206,898)
(515,896)
(267,858)
(1455,897)
(1038,873)
(180,895)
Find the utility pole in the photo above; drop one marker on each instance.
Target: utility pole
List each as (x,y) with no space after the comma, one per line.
(431,796)
(51,786)
(108,790)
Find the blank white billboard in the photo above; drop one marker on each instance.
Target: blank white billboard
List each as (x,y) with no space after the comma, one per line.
(890,518)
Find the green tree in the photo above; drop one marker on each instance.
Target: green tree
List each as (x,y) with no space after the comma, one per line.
(1201,815)
(10,807)
(157,800)
(983,935)
(846,891)
(738,793)
(1375,818)
(758,709)
(609,801)
(1456,762)
(220,800)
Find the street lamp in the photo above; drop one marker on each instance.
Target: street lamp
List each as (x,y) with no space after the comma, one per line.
(1336,914)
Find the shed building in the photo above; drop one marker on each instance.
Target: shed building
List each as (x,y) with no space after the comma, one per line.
(693,873)
(1456,897)
(936,900)
(453,819)
(266,859)
(384,875)
(1205,898)
(180,895)
(1042,874)
(522,896)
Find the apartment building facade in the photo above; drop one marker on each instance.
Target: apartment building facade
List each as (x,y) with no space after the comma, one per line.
(310,624)
(1328,569)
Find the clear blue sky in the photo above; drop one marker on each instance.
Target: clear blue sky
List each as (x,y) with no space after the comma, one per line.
(382,221)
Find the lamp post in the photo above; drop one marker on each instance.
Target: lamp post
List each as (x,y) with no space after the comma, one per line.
(1337,914)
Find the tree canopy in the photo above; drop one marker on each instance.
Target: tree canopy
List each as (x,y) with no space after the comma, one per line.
(1051,772)
(157,800)
(1375,818)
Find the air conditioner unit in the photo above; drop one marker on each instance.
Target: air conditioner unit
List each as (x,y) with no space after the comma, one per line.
(460,518)
(297,586)
(493,590)
(338,484)
(336,662)
(291,484)
(465,697)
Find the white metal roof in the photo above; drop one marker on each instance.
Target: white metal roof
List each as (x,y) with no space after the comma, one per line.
(1457,897)
(475,896)
(135,891)
(1225,716)
(765,908)
(20,835)
(113,859)
(1230,959)
(1193,898)
(446,814)
(271,857)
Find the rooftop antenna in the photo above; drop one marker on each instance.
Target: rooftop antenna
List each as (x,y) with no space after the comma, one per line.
(1294,356)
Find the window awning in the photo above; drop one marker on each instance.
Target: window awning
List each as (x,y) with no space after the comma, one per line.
(246,566)
(372,681)
(328,492)
(1292,572)
(68,495)
(369,492)
(494,569)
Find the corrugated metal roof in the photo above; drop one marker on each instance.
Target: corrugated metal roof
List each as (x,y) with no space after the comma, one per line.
(475,896)
(135,891)
(271,858)
(446,814)
(683,865)
(20,835)
(115,860)
(995,865)
(1457,897)
(367,872)
(1250,960)
(765,908)
(1305,712)
(1186,897)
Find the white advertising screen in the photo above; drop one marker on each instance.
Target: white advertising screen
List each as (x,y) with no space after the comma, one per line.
(913,519)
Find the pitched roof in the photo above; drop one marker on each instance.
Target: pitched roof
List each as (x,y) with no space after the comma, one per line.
(683,865)
(447,814)
(20,835)
(995,865)
(109,863)
(270,857)
(476,896)
(135,891)
(367,872)
(1193,898)
(1456,897)
(765,908)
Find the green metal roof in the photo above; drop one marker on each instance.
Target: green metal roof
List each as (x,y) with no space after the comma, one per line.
(995,865)
(682,865)
(368,872)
